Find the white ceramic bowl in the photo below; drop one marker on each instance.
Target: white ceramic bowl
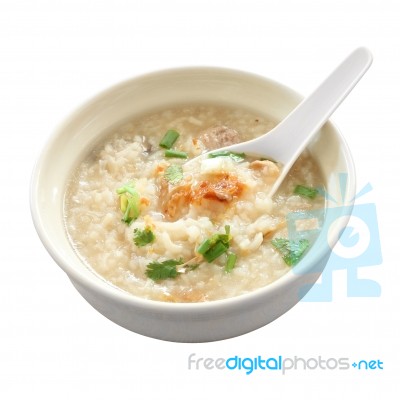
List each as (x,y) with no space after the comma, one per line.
(193,322)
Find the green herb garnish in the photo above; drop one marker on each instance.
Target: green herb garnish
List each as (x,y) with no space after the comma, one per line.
(215,246)
(162,270)
(173,174)
(158,271)
(238,157)
(230,262)
(175,154)
(210,249)
(215,251)
(291,250)
(169,139)
(306,191)
(141,237)
(129,202)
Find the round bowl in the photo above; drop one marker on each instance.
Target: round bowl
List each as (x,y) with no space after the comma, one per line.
(185,322)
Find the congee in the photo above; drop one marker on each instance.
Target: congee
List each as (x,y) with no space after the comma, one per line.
(160,228)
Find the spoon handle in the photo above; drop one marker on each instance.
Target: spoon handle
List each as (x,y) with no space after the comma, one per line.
(291,136)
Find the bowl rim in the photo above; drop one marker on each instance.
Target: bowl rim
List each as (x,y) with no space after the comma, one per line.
(98,284)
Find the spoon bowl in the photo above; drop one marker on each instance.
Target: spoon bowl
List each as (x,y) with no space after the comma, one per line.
(287,140)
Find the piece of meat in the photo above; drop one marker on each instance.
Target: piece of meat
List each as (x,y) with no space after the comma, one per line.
(223,188)
(266,167)
(174,200)
(218,136)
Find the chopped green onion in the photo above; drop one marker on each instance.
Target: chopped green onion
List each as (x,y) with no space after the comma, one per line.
(175,154)
(238,157)
(213,239)
(306,191)
(215,245)
(204,246)
(215,251)
(128,188)
(230,262)
(132,210)
(129,202)
(169,139)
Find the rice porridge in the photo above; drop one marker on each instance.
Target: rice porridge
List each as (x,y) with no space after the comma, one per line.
(160,228)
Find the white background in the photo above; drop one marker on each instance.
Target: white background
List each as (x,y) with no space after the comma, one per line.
(54,55)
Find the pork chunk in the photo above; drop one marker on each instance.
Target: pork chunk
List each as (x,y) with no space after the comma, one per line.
(266,167)
(218,136)
(174,200)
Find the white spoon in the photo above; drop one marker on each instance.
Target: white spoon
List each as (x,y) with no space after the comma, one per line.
(287,140)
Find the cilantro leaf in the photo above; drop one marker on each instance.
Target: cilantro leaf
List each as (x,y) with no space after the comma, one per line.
(158,271)
(291,250)
(306,191)
(174,174)
(141,237)
(168,269)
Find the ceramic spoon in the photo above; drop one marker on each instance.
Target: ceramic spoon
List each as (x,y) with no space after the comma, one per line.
(287,140)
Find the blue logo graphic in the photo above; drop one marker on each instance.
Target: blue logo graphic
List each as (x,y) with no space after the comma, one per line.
(280,363)
(358,245)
